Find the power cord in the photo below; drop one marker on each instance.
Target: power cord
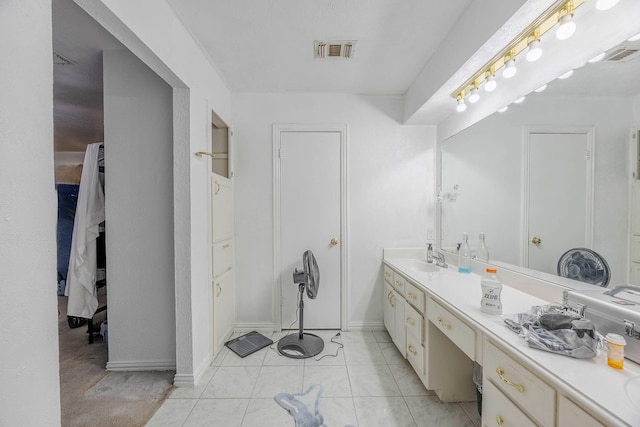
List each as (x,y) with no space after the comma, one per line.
(340,346)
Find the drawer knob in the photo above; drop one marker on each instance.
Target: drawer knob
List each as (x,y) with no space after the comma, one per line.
(226,245)
(444,324)
(387,274)
(219,288)
(391,299)
(410,321)
(412,350)
(499,420)
(518,387)
(412,295)
(398,283)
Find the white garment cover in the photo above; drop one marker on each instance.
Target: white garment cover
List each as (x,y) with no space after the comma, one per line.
(81,279)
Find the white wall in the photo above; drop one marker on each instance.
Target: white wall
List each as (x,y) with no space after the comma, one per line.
(139,215)
(390,187)
(164,44)
(29,378)
(489,172)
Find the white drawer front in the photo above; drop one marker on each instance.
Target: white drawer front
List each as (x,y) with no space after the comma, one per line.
(413,321)
(523,387)
(499,411)
(398,283)
(414,296)
(388,275)
(457,331)
(415,354)
(570,414)
(222,257)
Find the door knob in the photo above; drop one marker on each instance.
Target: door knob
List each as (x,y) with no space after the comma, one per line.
(536,241)
(334,241)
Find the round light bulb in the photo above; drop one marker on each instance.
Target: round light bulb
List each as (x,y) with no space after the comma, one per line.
(503,109)
(474,96)
(566,75)
(490,84)
(634,38)
(510,69)
(605,4)
(535,51)
(541,88)
(597,58)
(519,100)
(461,105)
(567,27)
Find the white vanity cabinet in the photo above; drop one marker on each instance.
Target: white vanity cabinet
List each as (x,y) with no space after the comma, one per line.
(222,248)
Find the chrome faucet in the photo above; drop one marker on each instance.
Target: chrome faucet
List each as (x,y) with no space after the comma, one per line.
(440,260)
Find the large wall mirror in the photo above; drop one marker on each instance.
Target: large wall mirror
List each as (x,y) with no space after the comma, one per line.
(552,173)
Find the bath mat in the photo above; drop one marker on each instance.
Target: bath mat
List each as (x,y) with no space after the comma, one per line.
(248,343)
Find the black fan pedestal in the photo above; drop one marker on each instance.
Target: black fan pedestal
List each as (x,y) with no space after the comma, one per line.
(303,344)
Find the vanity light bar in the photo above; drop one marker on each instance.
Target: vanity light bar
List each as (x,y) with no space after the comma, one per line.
(545,22)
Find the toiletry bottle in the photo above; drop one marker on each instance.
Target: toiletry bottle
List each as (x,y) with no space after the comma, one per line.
(464,255)
(491,289)
(482,252)
(429,253)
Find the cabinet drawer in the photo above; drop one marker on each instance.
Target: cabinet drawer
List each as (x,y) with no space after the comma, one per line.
(388,275)
(498,410)
(398,283)
(522,386)
(415,354)
(414,296)
(457,331)
(413,321)
(570,414)
(222,257)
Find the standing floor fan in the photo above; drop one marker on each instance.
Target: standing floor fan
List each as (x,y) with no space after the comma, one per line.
(303,345)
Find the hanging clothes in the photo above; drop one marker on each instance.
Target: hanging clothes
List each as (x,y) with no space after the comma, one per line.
(81,280)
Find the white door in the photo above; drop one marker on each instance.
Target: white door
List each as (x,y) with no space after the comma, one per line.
(559,197)
(310,218)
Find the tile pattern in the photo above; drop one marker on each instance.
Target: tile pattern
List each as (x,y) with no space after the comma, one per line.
(369,384)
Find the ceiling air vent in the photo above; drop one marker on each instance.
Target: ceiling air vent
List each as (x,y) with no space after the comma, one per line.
(61,60)
(623,54)
(333,49)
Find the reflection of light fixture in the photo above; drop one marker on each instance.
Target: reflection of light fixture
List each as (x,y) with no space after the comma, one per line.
(503,109)
(566,26)
(541,88)
(474,96)
(510,69)
(461,105)
(605,4)
(519,100)
(566,75)
(534,52)
(490,84)
(597,58)
(634,38)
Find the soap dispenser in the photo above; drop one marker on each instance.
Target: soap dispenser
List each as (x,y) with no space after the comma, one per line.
(464,256)
(429,253)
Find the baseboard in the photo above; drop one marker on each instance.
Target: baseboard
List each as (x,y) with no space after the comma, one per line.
(135,365)
(191,380)
(366,326)
(258,327)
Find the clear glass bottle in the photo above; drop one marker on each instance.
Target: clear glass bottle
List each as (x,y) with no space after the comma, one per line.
(482,252)
(464,255)
(491,290)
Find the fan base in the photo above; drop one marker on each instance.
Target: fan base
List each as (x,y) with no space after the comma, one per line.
(296,347)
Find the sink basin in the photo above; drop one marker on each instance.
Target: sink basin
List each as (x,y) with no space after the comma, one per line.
(425,267)
(632,389)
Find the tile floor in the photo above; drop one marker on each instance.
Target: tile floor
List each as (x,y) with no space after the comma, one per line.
(368,384)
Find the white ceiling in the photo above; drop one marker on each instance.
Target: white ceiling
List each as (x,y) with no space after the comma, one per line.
(267,45)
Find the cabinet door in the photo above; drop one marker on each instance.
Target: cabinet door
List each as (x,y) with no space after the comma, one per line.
(400,334)
(389,309)
(223,309)
(570,414)
(221,209)
(498,410)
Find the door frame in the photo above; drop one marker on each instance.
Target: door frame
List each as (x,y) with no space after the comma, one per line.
(590,181)
(278,130)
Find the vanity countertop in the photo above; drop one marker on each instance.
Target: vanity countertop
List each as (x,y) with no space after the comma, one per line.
(591,382)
